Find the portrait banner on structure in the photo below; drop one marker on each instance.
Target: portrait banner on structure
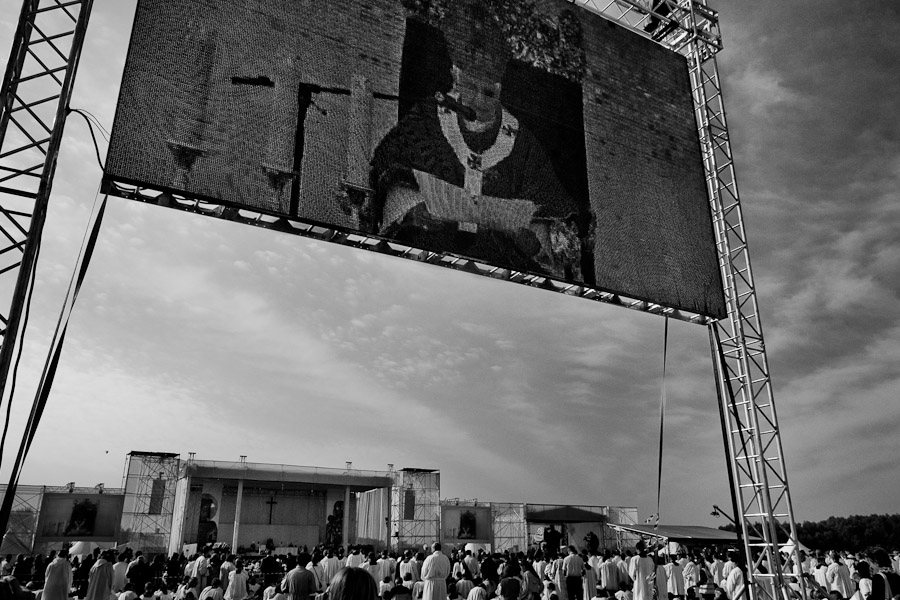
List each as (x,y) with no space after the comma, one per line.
(466,524)
(79,517)
(531,135)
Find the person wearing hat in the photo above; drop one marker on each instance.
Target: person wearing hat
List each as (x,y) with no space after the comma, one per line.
(460,173)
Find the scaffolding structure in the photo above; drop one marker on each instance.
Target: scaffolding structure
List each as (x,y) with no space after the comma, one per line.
(415,508)
(510,528)
(615,537)
(753,448)
(149,509)
(23,521)
(22,526)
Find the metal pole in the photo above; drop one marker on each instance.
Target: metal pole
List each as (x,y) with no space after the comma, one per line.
(237,515)
(723,391)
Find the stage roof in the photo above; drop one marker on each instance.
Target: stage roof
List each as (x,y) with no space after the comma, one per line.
(683,534)
(270,475)
(565,514)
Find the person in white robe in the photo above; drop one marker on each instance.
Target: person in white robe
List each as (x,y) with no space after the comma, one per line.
(58,578)
(409,566)
(728,566)
(477,593)
(609,575)
(662,580)
(589,582)
(642,571)
(838,575)
(691,573)
(675,584)
(734,584)
(388,566)
(472,563)
(237,582)
(435,571)
(819,573)
(354,559)
(557,574)
(119,570)
(716,569)
(331,564)
(100,578)
(623,565)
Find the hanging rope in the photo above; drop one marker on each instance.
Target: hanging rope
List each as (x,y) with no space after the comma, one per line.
(14,373)
(662,423)
(52,363)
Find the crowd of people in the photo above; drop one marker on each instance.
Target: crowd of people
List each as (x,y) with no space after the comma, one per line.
(545,573)
(870,575)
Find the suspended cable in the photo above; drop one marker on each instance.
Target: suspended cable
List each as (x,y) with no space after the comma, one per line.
(662,423)
(54,353)
(93,137)
(91,120)
(86,113)
(26,312)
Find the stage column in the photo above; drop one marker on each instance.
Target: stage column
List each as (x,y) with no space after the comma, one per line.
(180,512)
(237,515)
(345,526)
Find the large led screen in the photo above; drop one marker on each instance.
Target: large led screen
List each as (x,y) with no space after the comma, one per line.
(462,525)
(532,135)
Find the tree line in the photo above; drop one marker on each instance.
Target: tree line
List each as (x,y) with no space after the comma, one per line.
(853,533)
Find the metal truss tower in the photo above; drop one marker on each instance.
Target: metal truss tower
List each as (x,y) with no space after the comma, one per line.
(150,499)
(750,426)
(34,101)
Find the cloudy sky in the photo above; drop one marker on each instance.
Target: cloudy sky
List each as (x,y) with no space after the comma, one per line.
(195,335)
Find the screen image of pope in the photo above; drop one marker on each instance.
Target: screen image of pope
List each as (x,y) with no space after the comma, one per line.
(459,172)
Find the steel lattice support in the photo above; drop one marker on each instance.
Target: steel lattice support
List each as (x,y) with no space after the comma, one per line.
(759,476)
(22,527)
(23,519)
(752,439)
(34,100)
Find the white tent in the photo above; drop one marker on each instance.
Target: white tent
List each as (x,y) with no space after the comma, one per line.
(788,548)
(85,548)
